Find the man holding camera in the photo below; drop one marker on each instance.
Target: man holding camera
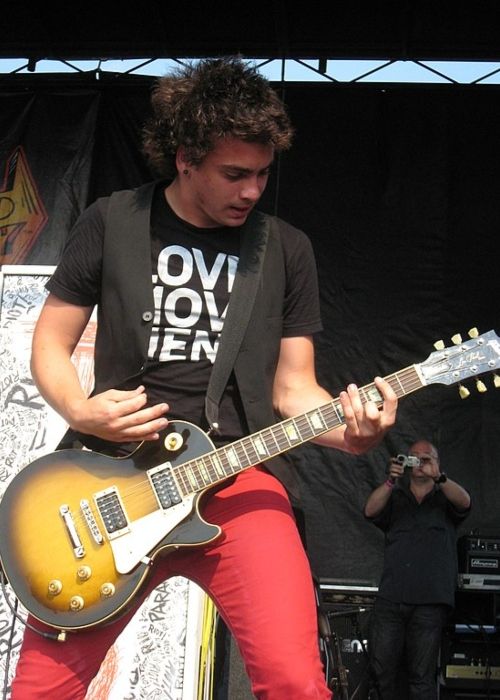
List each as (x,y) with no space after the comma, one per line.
(419,508)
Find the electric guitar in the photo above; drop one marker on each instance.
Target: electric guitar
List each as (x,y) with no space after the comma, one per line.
(80,530)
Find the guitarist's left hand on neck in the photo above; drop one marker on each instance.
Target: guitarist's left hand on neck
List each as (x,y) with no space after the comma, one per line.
(366,423)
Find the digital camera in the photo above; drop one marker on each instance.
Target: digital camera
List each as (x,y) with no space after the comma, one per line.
(408,461)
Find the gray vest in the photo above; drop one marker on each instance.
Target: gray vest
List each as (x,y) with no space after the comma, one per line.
(126,313)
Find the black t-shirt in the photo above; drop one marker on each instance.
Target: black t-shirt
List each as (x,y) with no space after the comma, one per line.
(193,272)
(420,558)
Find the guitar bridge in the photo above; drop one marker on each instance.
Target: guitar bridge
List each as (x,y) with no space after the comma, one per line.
(76,543)
(91,521)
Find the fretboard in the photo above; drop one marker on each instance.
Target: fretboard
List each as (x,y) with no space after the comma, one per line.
(224,462)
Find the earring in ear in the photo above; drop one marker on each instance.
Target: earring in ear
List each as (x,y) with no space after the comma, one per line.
(185,171)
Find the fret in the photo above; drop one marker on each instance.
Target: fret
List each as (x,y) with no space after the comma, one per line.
(339,411)
(232,457)
(260,446)
(269,436)
(281,438)
(251,452)
(219,471)
(330,417)
(197,471)
(397,385)
(209,464)
(191,476)
(204,472)
(326,415)
(373,394)
(181,473)
(224,460)
(400,385)
(363,394)
(305,430)
(409,380)
(317,420)
(292,432)
(246,461)
(311,427)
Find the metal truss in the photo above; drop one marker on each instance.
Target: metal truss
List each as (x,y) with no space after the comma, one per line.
(286,70)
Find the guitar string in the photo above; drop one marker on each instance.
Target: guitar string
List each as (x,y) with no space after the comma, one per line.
(143,489)
(403,382)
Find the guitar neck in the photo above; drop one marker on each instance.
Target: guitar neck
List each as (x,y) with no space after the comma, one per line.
(214,467)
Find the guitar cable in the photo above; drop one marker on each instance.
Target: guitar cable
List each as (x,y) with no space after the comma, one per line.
(18,617)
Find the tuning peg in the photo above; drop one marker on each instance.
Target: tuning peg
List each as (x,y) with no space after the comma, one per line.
(496,380)
(439,345)
(456,339)
(481,386)
(473,333)
(463,391)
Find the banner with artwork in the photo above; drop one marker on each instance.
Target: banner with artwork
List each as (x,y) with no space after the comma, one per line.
(62,147)
(159,652)
(46,150)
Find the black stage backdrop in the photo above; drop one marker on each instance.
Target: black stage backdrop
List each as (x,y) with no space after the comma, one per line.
(398,189)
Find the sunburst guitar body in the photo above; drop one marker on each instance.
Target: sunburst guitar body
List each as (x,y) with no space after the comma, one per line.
(80,529)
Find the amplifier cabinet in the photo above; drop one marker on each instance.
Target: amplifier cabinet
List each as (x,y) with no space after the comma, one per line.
(479,555)
(470,659)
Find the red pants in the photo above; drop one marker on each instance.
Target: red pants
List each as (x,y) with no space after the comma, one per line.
(258,576)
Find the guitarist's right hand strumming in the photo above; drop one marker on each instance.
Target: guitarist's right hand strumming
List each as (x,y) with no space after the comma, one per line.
(113,415)
(119,416)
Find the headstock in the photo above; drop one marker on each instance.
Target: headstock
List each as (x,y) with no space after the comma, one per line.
(462,360)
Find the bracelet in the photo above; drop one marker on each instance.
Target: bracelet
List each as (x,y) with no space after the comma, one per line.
(390,484)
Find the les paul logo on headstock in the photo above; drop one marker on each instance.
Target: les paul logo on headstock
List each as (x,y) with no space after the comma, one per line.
(463,360)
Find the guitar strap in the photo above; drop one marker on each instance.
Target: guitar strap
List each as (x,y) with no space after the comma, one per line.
(254,237)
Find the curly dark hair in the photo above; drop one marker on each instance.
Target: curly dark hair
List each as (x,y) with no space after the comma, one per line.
(214,98)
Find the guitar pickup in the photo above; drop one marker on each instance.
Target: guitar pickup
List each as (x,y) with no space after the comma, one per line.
(164,486)
(112,512)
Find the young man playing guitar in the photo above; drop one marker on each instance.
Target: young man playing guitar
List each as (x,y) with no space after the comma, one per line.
(161,263)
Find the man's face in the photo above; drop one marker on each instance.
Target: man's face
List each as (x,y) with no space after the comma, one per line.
(429,462)
(224,188)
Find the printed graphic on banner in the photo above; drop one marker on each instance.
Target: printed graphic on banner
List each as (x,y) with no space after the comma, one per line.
(149,658)
(26,432)
(22,213)
(26,429)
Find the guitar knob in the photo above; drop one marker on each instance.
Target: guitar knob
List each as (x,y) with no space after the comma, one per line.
(54,587)
(480,386)
(463,391)
(107,590)
(84,573)
(76,603)
(439,345)
(473,333)
(496,381)
(456,339)
(173,441)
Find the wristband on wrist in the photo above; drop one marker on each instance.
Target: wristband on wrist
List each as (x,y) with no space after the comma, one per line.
(441,479)
(390,483)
